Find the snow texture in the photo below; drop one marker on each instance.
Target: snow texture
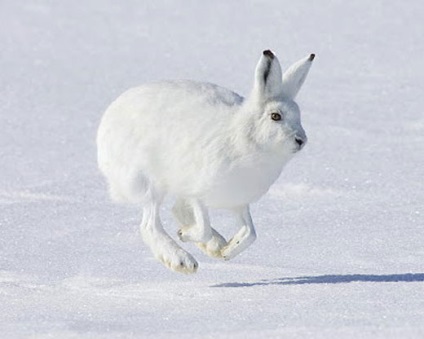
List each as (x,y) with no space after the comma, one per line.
(340,241)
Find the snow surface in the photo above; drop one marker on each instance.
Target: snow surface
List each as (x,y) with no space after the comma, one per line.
(340,248)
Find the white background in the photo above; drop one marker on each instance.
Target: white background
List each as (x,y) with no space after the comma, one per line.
(340,249)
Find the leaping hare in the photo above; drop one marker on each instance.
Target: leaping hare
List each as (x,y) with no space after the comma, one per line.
(206,146)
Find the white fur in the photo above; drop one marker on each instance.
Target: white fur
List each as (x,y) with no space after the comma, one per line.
(205,145)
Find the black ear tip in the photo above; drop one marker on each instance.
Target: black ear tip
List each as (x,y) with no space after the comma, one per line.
(268,53)
(312,57)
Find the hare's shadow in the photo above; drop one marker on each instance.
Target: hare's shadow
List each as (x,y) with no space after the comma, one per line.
(330,279)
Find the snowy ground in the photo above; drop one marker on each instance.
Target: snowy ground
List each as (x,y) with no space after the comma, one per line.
(340,252)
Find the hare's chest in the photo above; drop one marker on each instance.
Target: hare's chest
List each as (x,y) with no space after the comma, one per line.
(245,181)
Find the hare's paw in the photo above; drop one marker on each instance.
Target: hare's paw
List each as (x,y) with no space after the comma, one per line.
(243,239)
(169,253)
(177,260)
(214,246)
(195,234)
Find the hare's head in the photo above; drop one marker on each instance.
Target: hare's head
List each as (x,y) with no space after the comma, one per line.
(277,116)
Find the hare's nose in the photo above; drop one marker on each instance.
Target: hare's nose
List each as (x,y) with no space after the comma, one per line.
(299,141)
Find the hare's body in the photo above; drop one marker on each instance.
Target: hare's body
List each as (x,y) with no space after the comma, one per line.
(206,146)
(210,156)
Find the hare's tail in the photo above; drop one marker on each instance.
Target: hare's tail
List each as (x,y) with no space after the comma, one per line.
(128,188)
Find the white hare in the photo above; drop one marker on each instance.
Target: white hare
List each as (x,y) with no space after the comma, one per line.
(206,146)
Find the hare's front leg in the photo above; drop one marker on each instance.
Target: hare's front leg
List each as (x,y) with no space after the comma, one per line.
(194,220)
(164,248)
(195,226)
(243,238)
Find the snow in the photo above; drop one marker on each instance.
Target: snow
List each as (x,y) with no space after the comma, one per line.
(340,249)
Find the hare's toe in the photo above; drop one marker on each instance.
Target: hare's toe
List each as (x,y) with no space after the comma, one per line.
(214,246)
(243,239)
(178,261)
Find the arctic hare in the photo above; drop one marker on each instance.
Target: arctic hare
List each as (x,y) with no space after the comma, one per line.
(206,146)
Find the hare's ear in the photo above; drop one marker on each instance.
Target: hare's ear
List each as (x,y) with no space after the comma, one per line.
(268,77)
(295,76)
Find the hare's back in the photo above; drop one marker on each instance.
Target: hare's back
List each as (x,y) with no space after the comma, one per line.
(176,97)
(182,109)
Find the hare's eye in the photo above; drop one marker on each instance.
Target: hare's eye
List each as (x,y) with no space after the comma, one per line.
(276,116)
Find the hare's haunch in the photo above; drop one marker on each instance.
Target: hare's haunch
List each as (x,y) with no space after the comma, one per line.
(206,146)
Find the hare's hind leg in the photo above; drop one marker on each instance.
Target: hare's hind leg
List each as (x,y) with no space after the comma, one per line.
(195,226)
(243,238)
(164,248)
